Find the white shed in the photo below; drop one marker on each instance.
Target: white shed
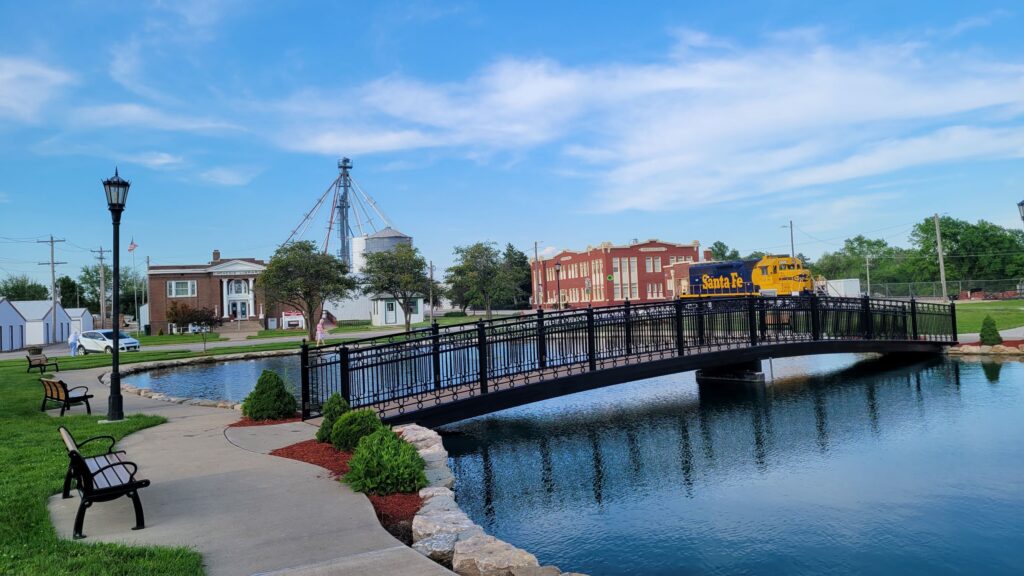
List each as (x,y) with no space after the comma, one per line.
(38,320)
(388,312)
(81,319)
(12,327)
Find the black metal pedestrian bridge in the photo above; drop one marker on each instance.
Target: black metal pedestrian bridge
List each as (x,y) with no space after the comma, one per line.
(438,375)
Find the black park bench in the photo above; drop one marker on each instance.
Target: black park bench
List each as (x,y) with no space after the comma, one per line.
(40,361)
(101,479)
(55,390)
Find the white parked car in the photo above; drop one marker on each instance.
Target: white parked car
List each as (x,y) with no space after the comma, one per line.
(102,341)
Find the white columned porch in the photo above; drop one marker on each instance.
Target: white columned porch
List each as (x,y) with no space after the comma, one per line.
(252,300)
(224,297)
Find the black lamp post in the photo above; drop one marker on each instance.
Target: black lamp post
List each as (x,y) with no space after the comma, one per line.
(116,189)
(558,283)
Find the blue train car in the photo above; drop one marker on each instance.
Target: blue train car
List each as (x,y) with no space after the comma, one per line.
(733,277)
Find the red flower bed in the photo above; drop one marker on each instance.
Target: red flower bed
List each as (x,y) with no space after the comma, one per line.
(320,453)
(394,511)
(245,421)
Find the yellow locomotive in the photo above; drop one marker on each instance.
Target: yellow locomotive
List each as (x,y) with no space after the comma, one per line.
(772,275)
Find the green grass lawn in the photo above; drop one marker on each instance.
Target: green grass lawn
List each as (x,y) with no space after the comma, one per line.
(177,339)
(278,333)
(1006,313)
(33,460)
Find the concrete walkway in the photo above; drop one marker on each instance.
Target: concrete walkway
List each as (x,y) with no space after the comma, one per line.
(1008,334)
(216,490)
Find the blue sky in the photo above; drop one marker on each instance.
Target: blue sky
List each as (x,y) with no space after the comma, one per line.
(568,123)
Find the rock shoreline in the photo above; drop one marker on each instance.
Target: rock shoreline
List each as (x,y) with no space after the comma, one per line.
(127,388)
(977,350)
(444,533)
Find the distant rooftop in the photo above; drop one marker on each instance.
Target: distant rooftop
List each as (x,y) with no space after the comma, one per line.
(388,232)
(32,309)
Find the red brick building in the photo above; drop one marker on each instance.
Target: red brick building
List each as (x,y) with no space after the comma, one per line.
(225,285)
(606,275)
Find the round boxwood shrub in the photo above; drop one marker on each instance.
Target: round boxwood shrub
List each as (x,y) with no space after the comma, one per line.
(353,425)
(270,400)
(383,463)
(333,408)
(989,334)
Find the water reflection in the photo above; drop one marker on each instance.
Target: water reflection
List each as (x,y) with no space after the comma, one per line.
(539,477)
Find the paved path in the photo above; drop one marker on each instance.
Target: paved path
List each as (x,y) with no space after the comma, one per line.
(1008,334)
(216,490)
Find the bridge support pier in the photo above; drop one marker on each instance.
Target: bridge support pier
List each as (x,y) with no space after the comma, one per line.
(742,373)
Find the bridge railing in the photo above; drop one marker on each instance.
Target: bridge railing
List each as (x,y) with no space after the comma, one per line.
(413,370)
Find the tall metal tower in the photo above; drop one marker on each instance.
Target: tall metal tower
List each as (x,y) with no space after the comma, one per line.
(344,231)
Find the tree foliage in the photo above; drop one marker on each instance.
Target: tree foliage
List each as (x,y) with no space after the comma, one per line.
(270,399)
(131,282)
(721,251)
(515,279)
(69,292)
(23,288)
(989,333)
(484,278)
(301,276)
(400,272)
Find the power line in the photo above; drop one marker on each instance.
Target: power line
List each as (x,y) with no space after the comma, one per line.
(53,285)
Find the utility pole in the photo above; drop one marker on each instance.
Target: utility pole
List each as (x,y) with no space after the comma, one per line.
(942,264)
(103,288)
(431,301)
(867,265)
(542,286)
(53,287)
(792,245)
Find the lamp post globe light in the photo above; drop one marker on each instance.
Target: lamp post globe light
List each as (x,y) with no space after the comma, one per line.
(1020,207)
(116,189)
(558,283)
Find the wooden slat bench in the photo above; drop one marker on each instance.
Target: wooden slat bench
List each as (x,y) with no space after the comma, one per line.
(55,390)
(40,361)
(101,479)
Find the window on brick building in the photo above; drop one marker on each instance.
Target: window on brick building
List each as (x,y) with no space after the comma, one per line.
(181,288)
(657,263)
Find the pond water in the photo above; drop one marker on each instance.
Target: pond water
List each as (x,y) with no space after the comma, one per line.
(843,466)
(231,380)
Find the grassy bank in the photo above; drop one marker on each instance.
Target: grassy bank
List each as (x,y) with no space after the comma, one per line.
(33,460)
(1007,314)
(177,339)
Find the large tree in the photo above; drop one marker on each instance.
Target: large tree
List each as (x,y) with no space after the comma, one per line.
(303,277)
(400,272)
(721,251)
(70,292)
(475,277)
(515,279)
(131,281)
(23,288)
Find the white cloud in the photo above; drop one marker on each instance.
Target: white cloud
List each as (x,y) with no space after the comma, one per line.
(126,67)
(712,122)
(140,116)
(26,86)
(4,198)
(225,176)
(155,160)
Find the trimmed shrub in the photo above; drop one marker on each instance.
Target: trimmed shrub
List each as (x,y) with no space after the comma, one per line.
(989,334)
(353,425)
(455,314)
(383,464)
(270,400)
(332,410)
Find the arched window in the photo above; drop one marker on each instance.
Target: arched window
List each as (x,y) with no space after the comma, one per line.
(239,287)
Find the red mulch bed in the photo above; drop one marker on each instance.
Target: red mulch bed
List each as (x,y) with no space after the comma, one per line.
(247,422)
(394,511)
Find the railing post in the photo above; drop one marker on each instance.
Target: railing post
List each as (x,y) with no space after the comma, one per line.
(304,377)
(346,377)
(591,340)
(762,317)
(702,310)
(628,328)
(435,353)
(815,318)
(680,342)
(752,319)
(481,352)
(913,318)
(542,345)
(867,328)
(952,317)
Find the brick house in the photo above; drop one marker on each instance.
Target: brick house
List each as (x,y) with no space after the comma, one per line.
(606,275)
(225,285)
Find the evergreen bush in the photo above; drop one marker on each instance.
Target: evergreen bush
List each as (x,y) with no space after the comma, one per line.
(383,464)
(353,425)
(333,408)
(455,314)
(270,399)
(989,334)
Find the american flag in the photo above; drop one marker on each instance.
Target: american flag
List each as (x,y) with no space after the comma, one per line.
(133,245)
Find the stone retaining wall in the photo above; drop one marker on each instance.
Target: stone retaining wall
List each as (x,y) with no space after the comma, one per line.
(997,350)
(444,533)
(127,388)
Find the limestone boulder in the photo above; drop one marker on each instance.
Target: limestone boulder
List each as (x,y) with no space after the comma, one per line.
(984,350)
(535,571)
(439,547)
(434,453)
(440,522)
(431,491)
(487,556)
(441,476)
